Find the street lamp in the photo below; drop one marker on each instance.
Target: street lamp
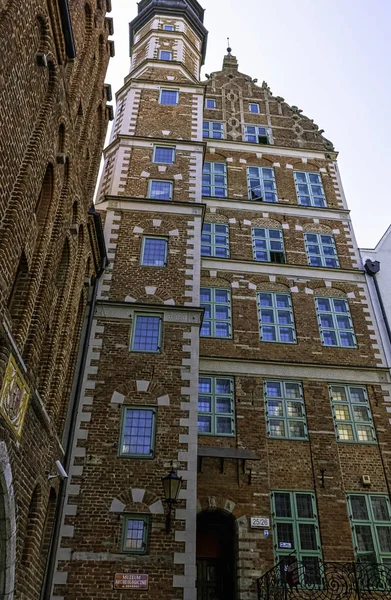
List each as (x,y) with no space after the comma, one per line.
(171,487)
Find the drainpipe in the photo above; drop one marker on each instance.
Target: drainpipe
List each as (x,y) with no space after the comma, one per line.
(74,407)
(372,268)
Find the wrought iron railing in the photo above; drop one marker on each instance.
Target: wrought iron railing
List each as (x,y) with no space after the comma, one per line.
(314,579)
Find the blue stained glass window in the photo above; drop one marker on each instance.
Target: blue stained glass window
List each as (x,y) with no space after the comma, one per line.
(160,190)
(217,315)
(321,250)
(276,318)
(169,97)
(210,103)
(146,333)
(164,154)
(165,55)
(261,184)
(214,180)
(335,323)
(216,405)
(309,189)
(138,431)
(154,252)
(213,129)
(215,240)
(256,134)
(135,533)
(268,245)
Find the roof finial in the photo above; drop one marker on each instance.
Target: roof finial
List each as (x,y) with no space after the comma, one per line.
(229,50)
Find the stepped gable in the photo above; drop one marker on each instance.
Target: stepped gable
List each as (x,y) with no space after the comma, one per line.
(290,127)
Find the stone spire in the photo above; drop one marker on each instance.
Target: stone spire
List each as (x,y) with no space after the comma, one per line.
(230,62)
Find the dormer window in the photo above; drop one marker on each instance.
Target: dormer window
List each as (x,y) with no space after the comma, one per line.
(210,103)
(256,135)
(168,28)
(165,55)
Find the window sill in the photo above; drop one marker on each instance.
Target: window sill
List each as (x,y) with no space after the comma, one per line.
(211,337)
(287,439)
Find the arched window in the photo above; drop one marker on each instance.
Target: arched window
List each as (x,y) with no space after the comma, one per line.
(45,197)
(33,530)
(49,522)
(63,266)
(61,139)
(17,296)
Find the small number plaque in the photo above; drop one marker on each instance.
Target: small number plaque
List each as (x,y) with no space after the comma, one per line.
(285,545)
(259,522)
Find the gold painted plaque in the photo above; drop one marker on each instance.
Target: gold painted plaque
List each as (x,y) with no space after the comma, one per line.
(14,397)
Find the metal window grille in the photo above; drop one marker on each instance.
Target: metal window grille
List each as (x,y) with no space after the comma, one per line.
(214,180)
(256,134)
(335,323)
(268,245)
(309,189)
(321,250)
(164,154)
(216,406)
(138,432)
(215,240)
(217,315)
(261,184)
(160,190)
(285,410)
(146,333)
(154,252)
(352,414)
(276,321)
(169,97)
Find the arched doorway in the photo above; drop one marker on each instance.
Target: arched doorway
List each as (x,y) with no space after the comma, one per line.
(216,546)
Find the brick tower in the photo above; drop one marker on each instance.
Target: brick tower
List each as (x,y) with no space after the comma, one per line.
(233,343)
(53,121)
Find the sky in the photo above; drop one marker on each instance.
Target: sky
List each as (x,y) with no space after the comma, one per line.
(331,59)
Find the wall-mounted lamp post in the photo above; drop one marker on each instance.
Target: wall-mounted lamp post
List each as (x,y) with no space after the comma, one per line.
(171,487)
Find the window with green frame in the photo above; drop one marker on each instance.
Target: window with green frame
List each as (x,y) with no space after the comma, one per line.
(138,432)
(213,129)
(216,406)
(268,245)
(135,533)
(335,322)
(214,180)
(146,333)
(215,240)
(352,413)
(276,322)
(217,316)
(296,530)
(370,517)
(285,411)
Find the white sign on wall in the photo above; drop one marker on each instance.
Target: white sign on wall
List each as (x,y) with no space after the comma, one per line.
(259,522)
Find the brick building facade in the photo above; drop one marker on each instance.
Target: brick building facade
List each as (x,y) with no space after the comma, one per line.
(53,121)
(233,340)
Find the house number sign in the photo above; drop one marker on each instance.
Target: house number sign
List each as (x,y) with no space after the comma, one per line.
(259,522)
